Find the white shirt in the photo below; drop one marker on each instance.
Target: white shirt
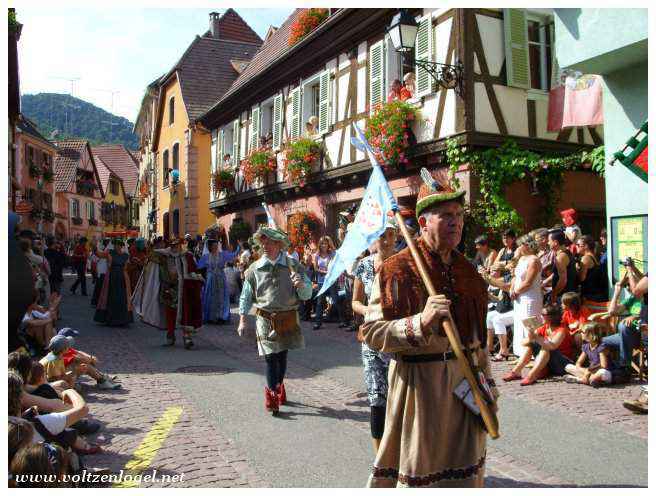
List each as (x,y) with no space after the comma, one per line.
(55,423)
(101,266)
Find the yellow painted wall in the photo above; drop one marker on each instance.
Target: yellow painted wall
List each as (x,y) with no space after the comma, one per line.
(169,134)
(203,142)
(118,200)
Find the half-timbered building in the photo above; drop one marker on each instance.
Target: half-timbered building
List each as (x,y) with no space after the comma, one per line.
(343,69)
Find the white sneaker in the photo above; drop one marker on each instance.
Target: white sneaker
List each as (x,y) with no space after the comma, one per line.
(107,384)
(571,379)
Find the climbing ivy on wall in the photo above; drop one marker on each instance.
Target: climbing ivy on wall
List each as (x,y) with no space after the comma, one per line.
(497,168)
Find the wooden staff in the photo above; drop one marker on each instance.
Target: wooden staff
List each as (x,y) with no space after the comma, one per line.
(489,417)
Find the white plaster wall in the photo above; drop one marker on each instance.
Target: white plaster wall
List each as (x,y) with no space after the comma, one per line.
(513,107)
(442,34)
(492,37)
(483,117)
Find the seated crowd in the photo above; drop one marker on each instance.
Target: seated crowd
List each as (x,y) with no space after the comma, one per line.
(549,290)
(48,416)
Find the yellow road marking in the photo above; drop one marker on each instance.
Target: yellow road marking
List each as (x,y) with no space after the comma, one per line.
(145,453)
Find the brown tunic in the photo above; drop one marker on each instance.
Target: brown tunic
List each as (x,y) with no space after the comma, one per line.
(430,438)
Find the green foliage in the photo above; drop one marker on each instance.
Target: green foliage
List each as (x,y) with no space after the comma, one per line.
(300,156)
(239,230)
(499,167)
(388,131)
(13,23)
(75,118)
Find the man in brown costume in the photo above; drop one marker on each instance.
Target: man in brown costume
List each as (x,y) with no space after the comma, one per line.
(430,439)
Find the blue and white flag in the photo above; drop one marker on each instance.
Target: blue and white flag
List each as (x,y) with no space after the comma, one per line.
(270,221)
(370,219)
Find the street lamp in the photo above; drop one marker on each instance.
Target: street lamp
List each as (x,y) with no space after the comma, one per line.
(403,33)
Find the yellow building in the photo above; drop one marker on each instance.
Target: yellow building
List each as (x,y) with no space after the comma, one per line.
(114,207)
(181,146)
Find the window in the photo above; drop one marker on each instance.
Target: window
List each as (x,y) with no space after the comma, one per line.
(171,110)
(176,156)
(315,99)
(113,187)
(91,210)
(266,118)
(539,53)
(75,208)
(176,223)
(47,159)
(29,155)
(165,168)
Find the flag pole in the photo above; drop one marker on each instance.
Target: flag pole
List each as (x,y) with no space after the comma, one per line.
(489,417)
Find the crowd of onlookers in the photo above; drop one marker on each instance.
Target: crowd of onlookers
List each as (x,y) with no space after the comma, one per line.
(48,416)
(550,312)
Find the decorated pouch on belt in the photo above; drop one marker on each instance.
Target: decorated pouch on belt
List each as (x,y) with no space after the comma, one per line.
(464,393)
(284,322)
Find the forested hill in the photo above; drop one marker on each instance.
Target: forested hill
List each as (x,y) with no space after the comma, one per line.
(70,117)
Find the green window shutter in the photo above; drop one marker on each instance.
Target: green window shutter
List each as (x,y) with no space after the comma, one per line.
(424,51)
(324,102)
(516,39)
(555,69)
(235,142)
(255,128)
(219,149)
(277,121)
(295,130)
(376,73)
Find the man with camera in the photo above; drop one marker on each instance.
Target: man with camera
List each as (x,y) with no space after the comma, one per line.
(634,325)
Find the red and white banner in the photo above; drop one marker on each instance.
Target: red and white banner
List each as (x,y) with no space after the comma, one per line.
(576,103)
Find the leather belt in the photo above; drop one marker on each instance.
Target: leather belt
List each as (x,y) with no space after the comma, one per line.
(432,357)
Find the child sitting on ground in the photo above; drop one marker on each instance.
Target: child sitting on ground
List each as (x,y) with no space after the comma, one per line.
(38,322)
(600,369)
(574,316)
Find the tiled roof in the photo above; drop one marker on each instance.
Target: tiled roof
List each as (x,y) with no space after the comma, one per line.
(103,172)
(233,27)
(28,127)
(120,161)
(206,73)
(66,162)
(274,46)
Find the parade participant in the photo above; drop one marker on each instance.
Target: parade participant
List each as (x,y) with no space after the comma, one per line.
(431,438)
(274,285)
(56,260)
(376,364)
(101,268)
(216,294)
(79,259)
(137,260)
(114,306)
(191,316)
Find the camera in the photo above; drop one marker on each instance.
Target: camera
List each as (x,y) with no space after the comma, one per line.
(627,262)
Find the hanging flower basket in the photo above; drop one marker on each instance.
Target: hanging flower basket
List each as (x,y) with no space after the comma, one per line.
(239,231)
(306,22)
(388,132)
(35,171)
(85,187)
(300,156)
(258,164)
(223,180)
(303,227)
(48,174)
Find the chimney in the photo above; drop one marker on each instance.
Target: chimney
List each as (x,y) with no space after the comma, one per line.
(214,24)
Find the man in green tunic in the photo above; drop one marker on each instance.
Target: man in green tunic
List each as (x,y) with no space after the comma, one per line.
(275,285)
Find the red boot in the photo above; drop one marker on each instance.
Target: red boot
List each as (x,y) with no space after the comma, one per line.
(282,395)
(271,401)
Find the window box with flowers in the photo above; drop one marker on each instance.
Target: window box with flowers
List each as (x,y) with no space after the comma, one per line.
(389,132)
(300,156)
(303,228)
(307,21)
(223,180)
(258,165)
(35,171)
(77,221)
(85,187)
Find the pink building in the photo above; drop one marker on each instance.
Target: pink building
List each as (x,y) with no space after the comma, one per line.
(78,191)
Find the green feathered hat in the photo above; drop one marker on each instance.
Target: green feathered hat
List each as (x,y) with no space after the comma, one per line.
(272,233)
(435,189)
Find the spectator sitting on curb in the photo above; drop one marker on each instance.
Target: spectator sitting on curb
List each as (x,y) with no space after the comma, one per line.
(52,427)
(600,369)
(38,323)
(574,316)
(551,345)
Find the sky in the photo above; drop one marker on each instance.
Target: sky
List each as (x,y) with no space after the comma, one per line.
(113,50)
